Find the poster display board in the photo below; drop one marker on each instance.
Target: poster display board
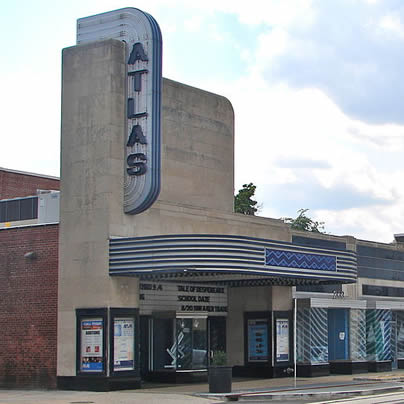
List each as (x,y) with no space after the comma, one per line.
(92,335)
(258,340)
(124,344)
(282,340)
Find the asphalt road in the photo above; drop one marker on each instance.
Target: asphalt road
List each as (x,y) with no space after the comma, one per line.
(391,398)
(387,398)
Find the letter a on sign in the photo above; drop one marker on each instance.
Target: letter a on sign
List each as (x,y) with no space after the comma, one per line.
(142,36)
(137,54)
(136,136)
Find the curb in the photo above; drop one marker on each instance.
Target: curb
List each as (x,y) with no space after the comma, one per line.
(244,396)
(379,379)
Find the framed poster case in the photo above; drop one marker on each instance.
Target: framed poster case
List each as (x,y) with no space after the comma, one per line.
(258,340)
(91,352)
(124,338)
(283,338)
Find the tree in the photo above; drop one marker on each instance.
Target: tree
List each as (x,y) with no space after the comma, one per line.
(243,202)
(305,223)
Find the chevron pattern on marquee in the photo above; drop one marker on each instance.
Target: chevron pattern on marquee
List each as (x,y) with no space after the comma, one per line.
(291,259)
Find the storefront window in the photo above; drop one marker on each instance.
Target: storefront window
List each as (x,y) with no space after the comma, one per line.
(357,326)
(312,335)
(180,344)
(378,334)
(400,334)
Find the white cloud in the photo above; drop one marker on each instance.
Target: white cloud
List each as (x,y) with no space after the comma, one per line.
(282,122)
(194,23)
(392,24)
(274,13)
(320,82)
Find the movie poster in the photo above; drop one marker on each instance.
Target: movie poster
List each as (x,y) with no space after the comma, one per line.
(92,359)
(124,342)
(258,340)
(282,340)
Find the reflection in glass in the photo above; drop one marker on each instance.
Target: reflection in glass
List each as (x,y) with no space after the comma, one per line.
(312,335)
(164,351)
(400,334)
(357,326)
(378,334)
(191,341)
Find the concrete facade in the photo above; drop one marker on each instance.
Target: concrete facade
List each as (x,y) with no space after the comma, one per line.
(197,183)
(196,200)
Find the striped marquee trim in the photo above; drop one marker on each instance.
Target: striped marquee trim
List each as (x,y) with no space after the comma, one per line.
(232,255)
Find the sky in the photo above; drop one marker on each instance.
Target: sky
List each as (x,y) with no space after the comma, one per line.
(316,87)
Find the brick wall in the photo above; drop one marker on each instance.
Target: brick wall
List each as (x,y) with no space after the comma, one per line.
(14,185)
(28,306)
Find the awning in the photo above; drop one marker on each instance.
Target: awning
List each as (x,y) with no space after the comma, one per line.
(229,259)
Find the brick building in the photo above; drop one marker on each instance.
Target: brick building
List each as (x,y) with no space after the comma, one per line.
(28,279)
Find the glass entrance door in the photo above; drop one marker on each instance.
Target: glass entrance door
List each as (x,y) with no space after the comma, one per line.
(180,343)
(217,335)
(164,356)
(191,343)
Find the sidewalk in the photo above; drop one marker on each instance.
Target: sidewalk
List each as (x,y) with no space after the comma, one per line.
(242,389)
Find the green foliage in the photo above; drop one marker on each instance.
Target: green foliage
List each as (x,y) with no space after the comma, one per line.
(305,223)
(219,358)
(243,202)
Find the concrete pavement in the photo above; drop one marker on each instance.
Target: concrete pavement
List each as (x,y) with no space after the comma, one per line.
(242,389)
(80,397)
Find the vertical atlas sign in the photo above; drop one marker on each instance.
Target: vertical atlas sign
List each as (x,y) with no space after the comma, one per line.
(142,146)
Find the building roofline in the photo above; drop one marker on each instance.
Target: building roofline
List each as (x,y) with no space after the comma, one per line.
(29,173)
(26,226)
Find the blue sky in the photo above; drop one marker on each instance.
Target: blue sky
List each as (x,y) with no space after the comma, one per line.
(316,87)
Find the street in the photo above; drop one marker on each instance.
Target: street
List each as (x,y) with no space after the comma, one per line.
(387,398)
(397,397)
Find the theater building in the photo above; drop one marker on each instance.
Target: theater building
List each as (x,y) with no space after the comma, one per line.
(157,272)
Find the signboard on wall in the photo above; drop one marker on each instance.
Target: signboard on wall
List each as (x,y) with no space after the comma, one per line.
(91,359)
(182,297)
(142,35)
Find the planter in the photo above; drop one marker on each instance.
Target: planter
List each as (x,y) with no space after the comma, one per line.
(220,379)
